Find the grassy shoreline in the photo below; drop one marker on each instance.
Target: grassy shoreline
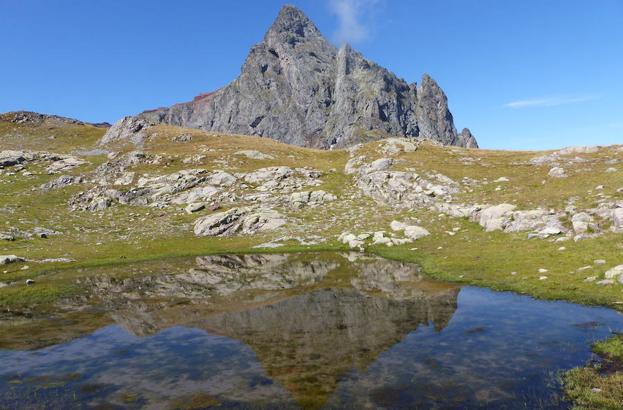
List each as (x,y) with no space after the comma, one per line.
(56,282)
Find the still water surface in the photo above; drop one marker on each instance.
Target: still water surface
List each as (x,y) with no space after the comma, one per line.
(292,331)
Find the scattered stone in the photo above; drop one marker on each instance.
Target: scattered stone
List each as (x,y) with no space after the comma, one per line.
(605,282)
(313,198)
(235,221)
(495,217)
(194,207)
(6,259)
(183,138)
(44,232)
(57,260)
(415,232)
(392,146)
(62,181)
(397,226)
(581,222)
(351,240)
(542,277)
(557,172)
(542,270)
(617,220)
(30,282)
(64,164)
(599,261)
(252,154)
(269,245)
(615,273)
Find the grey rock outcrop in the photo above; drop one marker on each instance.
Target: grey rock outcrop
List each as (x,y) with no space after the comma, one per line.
(298,88)
(239,221)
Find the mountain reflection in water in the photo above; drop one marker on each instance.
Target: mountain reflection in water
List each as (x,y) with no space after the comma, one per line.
(308,330)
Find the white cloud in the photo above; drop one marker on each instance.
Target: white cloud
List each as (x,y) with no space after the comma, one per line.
(351,14)
(552,101)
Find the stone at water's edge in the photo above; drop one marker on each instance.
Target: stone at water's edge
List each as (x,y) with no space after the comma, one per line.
(296,87)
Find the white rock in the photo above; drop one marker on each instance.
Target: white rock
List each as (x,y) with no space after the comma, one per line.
(397,226)
(253,154)
(6,259)
(581,221)
(617,220)
(415,232)
(239,221)
(194,207)
(494,217)
(614,273)
(605,282)
(557,172)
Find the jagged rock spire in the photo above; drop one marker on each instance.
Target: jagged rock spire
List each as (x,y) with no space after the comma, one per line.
(296,87)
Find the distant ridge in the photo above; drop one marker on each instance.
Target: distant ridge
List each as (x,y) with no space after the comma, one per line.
(35,119)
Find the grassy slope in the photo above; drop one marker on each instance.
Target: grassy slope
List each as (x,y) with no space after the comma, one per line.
(123,234)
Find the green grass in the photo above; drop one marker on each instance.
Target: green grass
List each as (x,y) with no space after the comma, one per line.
(124,234)
(599,386)
(611,348)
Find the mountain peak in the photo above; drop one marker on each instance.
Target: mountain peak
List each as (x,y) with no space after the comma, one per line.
(290,26)
(298,88)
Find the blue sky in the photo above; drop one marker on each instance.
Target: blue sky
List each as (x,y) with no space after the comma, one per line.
(523,74)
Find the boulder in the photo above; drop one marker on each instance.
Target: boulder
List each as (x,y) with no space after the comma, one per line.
(9,157)
(194,207)
(64,164)
(352,165)
(353,241)
(310,198)
(62,181)
(253,154)
(6,259)
(235,221)
(617,220)
(581,221)
(397,226)
(495,217)
(557,172)
(615,273)
(415,232)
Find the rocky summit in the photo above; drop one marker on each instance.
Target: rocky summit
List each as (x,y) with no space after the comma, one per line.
(297,88)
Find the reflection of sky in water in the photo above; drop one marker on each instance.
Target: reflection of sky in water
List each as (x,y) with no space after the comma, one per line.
(499,349)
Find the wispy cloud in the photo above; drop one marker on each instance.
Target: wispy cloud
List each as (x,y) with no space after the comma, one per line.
(351,15)
(552,101)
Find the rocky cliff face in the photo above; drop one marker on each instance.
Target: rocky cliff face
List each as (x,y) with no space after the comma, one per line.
(297,88)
